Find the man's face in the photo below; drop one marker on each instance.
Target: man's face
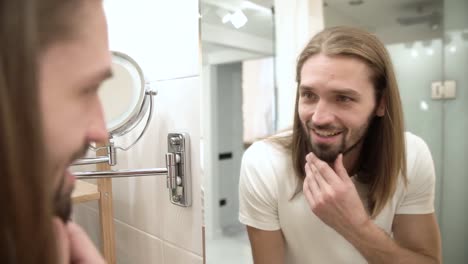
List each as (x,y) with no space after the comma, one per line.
(336,104)
(71,70)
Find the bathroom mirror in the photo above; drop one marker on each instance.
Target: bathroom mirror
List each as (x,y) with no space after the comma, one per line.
(126,99)
(123,96)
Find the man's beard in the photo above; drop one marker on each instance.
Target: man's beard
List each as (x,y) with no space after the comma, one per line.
(327,152)
(62,201)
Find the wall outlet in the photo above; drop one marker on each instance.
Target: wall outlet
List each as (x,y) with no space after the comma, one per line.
(437,90)
(445,90)
(450,90)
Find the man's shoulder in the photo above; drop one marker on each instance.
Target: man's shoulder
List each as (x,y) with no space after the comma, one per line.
(413,141)
(418,155)
(269,153)
(266,149)
(414,146)
(274,146)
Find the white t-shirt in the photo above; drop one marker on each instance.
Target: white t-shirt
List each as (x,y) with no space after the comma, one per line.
(267,183)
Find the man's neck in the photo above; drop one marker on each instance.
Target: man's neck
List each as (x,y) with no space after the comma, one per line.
(351,160)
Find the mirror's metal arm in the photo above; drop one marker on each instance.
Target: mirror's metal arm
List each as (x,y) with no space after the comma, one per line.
(87,161)
(120,173)
(177,171)
(111,157)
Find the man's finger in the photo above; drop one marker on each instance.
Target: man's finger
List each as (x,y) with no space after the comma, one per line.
(62,240)
(340,169)
(322,183)
(307,193)
(82,249)
(324,169)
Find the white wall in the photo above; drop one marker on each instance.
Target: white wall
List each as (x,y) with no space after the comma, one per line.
(296,22)
(209,143)
(258,98)
(230,140)
(164,39)
(223,121)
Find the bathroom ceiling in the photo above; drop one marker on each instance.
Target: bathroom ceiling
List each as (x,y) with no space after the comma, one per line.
(392,20)
(215,34)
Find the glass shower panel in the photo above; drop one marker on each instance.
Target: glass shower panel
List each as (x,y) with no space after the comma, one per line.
(417,65)
(454,206)
(428,43)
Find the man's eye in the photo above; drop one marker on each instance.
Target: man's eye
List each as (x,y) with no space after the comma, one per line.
(308,95)
(343,98)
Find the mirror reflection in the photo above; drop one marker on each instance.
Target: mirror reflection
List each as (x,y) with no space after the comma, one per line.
(238,74)
(126,89)
(425,42)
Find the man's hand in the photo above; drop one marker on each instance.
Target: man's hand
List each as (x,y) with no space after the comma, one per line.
(74,245)
(332,196)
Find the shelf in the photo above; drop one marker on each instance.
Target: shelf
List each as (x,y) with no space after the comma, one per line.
(84,192)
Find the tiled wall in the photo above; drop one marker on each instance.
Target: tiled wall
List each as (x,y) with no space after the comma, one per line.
(164,39)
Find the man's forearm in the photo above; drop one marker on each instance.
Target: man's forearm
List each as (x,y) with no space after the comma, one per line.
(377,247)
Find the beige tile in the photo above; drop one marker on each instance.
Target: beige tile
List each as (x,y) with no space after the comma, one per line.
(176,255)
(141,206)
(143,202)
(137,202)
(182,226)
(88,218)
(136,247)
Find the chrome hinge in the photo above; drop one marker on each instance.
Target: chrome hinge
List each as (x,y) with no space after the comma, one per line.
(179,178)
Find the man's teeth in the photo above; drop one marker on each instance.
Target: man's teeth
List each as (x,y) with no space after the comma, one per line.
(327,134)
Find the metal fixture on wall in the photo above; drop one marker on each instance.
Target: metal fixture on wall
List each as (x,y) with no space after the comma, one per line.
(124,116)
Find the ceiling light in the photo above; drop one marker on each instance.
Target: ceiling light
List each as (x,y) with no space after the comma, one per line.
(238,19)
(226,18)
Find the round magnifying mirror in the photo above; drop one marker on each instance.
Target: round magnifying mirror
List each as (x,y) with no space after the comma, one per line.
(123,96)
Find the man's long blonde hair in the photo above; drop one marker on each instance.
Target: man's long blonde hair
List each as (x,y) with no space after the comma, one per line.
(27,28)
(383,157)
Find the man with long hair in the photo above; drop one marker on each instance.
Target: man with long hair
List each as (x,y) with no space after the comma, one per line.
(347,184)
(53,56)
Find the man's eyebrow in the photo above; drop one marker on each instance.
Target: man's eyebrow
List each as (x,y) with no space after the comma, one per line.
(305,87)
(99,77)
(340,91)
(347,92)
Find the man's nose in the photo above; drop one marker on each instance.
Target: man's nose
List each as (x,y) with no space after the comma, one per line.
(323,114)
(97,131)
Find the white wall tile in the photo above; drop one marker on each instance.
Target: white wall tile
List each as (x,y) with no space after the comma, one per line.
(182,226)
(175,255)
(161,35)
(137,202)
(88,219)
(164,39)
(143,202)
(136,247)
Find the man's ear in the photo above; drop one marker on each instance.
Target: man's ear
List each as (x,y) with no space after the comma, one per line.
(380,111)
